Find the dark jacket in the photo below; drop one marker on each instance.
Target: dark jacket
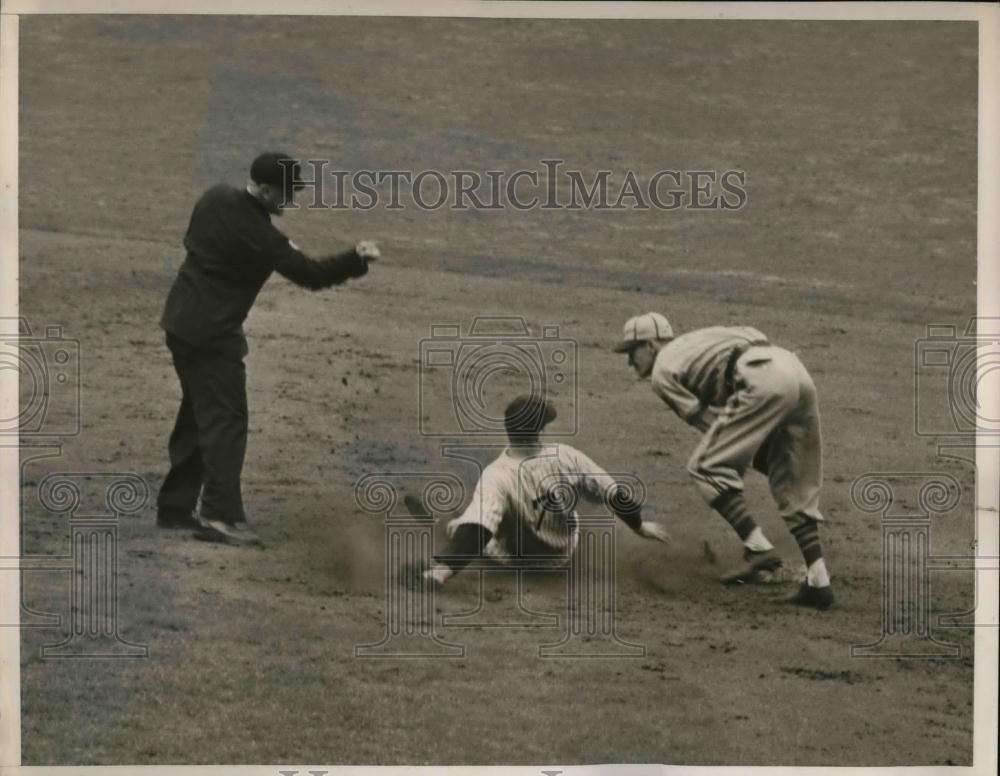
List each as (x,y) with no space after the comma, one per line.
(232,249)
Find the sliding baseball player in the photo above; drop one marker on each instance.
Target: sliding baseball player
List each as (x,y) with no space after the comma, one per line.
(523,504)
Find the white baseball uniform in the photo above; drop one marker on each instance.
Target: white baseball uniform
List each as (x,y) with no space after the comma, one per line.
(528,503)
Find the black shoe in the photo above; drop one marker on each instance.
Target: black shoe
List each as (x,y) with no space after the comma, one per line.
(176,518)
(816,597)
(753,562)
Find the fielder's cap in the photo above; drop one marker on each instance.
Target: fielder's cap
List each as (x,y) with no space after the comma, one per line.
(277,169)
(650,326)
(528,414)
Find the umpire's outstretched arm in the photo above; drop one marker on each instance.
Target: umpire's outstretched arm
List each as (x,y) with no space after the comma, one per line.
(314,274)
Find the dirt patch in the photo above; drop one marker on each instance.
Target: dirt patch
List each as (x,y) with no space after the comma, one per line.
(859,230)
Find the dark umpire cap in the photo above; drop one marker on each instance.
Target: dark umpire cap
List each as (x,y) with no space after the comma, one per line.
(277,169)
(528,414)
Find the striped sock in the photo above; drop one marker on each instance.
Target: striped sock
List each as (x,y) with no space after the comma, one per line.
(733,508)
(806,533)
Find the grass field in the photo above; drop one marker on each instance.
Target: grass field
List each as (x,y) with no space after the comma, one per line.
(859,145)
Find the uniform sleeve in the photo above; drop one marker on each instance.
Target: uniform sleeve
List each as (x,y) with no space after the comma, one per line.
(289,262)
(486,507)
(600,486)
(678,398)
(222,226)
(589,479)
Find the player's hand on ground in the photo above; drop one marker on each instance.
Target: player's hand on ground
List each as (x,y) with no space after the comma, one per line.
(368,250)
(655,531)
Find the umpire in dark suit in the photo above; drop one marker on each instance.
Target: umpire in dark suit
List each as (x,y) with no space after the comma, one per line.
(232,249)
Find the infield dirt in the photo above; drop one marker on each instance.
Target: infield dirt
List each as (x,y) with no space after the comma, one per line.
(859,145)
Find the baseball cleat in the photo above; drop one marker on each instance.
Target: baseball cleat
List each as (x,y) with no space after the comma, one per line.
(753,562)
(816,597)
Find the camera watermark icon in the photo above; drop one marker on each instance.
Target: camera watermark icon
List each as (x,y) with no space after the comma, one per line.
(952,373)
(48,374)
(92,562)
(906,502)
(457,373)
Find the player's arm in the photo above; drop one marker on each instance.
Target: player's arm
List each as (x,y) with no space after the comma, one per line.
(687,406)
(629,512)
(597,484)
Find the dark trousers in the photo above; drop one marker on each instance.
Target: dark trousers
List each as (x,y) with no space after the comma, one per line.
(209,440)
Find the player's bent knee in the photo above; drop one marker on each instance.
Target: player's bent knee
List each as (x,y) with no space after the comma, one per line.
(705,484)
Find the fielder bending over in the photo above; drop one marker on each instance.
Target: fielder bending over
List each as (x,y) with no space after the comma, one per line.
(756,404)
(520,508)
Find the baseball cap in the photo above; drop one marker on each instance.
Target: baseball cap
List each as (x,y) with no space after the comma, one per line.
(650,326)
(528,413)
(277,169)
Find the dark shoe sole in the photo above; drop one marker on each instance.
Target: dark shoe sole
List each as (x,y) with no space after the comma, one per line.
(177,523)
(206,534)
(171,525)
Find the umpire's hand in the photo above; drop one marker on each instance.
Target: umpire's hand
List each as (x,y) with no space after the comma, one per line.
(367,250)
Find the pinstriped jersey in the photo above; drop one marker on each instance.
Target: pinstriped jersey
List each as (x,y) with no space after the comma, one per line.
(528,504)
(690,371)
